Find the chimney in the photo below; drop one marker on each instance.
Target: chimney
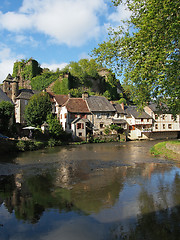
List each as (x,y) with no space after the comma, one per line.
(122,105)
(85,95)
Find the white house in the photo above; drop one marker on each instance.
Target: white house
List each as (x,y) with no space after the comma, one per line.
(164,124)
(140,123)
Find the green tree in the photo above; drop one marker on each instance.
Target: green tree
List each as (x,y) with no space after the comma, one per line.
(6,113)
(54,127)
(146,51)
(42,81)
(37,109)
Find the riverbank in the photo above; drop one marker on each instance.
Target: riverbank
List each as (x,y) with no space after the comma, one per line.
(168,149)
(8,146)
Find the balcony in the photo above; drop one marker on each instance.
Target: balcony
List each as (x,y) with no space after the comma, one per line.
(147,130)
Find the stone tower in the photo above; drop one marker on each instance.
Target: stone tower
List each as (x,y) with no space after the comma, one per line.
(10,87)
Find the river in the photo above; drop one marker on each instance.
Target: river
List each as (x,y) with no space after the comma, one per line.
(102,191)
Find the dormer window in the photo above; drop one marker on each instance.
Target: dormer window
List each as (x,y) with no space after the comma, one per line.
(98,115)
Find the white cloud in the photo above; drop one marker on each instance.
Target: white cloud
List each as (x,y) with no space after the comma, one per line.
(26,40)
(121,13)
(72,22)
(7,59)
(54,66)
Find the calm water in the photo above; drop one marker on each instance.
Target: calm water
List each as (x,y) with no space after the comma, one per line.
(97,191)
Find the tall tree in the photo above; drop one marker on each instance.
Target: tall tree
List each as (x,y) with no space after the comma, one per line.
(37,109)
(146,51)
(6,113)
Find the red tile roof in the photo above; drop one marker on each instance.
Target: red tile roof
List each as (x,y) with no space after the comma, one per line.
(61,99)
(76,105)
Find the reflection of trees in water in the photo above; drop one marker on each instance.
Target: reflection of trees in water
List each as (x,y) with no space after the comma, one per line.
(154,221)
(30,195)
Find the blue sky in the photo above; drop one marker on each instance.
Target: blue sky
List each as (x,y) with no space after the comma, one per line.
(54,32)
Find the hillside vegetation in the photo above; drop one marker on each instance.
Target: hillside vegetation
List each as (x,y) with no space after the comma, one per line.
(75,78)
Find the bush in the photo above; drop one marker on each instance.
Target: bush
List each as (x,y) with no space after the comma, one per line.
(51,142)
(21,146)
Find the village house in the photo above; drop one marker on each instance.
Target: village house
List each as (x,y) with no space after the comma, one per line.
(75,117)
(120,116)
(164,124)
(102,113)
(57,102)
(21,102)
(140,123)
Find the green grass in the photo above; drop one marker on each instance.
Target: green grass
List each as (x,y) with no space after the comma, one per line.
(160,150)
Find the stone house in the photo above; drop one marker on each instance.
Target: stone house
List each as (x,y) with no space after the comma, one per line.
(102,113)
(140,123)
(164,124)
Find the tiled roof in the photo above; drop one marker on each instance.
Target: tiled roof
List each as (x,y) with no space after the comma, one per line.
(4,97)
(61,99)
(76,105)
(99,104)
(158,109)
(133,110)
(118,108)
(26,94)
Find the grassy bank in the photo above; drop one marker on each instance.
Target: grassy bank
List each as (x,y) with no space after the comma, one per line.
(8,146)
(160,149)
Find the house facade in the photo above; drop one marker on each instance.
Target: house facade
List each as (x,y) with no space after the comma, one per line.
(75,117)
(139,123)
(164,124)
(102,113)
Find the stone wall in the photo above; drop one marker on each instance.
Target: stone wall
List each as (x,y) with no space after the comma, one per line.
(163,135)
(174,147)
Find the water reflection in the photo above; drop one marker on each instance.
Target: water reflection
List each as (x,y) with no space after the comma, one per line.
(113,195)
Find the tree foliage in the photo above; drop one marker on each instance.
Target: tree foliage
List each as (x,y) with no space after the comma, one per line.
(6,113)
(37,109)
(145,51)
(83,69)
(27,69)
(61,87)
(42,81)
(54,127)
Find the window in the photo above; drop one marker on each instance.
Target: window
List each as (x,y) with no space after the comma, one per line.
(170,126)
(61,116)
(163,117)
(156,116)
(82,125)
(80,134)
(141,119)
(156,126)
(164,126)
(79,126)
(98,115)
(101,125)
(147,120)
(65,115)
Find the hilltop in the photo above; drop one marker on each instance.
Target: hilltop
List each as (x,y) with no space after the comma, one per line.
(75,78)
